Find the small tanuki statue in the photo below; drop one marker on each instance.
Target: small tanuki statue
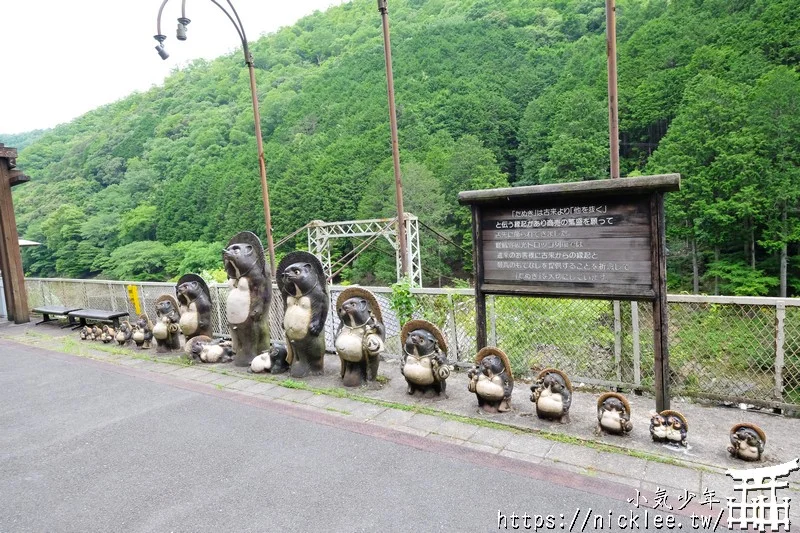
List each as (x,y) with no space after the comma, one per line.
(142,332)
(124,333)
(208,350)
(424,361)
(247,308)
(166,330)
(108,334)
(491,380)
(360,337)
(97,332)
(747,442)
(273,361)
(303,286)
(669,427)
(552,395)
(194,305)
(613,414)
(86,333)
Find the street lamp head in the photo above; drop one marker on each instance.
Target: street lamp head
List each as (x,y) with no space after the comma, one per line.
(160,47)
(182,23)
(161,52)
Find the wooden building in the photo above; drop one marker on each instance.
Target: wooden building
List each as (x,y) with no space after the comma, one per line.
(10,259)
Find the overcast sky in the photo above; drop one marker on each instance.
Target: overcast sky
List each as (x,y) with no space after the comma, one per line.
(62,58)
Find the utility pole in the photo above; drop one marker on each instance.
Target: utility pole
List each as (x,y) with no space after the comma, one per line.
(262,164)
(613,106)
(398,181)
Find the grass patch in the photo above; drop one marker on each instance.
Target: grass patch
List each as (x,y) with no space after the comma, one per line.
(36,334)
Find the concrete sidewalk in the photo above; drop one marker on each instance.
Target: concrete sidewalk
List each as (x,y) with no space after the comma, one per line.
(632,461)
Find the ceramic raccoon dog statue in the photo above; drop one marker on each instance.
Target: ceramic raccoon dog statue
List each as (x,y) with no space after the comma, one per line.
(360,337)
(552,394)
(491,380)
(247,308)
(303,285)
(424,362)
(166,330)
(194,305)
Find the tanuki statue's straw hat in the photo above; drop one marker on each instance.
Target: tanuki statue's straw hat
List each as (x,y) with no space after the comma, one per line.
(676,414)
(491,350)
(754,427)
(546,371)
(412,325)
(620,397)
(360,292)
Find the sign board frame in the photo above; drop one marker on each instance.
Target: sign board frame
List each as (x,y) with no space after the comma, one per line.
(559,240)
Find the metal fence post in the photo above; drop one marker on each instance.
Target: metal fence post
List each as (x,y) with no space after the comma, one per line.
(218,307)
(618,339)
(637,349)
(493,321)
(780,337)
(453,329)
(111,297)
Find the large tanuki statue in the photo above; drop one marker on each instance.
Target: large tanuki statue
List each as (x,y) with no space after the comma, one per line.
(360,337)
(248,303)
(303,286)
(424,362)
(194,305)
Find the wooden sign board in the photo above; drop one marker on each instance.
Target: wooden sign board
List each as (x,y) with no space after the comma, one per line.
(589,239)
(570,247)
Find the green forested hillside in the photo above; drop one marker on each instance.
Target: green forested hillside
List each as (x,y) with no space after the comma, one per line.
(21,140)
(489,92)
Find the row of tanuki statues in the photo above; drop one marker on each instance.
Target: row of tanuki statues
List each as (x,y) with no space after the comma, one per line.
(359,344)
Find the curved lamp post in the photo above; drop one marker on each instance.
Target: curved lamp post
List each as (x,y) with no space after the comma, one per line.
(248,59)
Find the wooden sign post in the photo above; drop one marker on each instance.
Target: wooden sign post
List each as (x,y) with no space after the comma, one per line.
(590,239)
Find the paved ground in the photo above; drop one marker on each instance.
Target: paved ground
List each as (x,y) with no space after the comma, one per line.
(109,441)
(87,448)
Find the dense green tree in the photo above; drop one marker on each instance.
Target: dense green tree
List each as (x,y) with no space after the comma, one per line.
(490,93)
(775,125)
(141,261)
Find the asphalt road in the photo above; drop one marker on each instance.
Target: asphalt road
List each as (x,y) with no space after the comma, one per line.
(84,448)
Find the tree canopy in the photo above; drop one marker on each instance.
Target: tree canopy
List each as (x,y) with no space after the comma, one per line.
(490,93)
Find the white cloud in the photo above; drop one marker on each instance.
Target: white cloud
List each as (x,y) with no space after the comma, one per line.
(62,58)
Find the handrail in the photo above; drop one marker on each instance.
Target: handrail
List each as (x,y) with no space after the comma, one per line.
(672,298)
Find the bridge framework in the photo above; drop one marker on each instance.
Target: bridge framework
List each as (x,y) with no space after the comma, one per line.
(320,234)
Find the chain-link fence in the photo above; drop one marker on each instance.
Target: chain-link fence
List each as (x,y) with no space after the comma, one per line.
(730,349)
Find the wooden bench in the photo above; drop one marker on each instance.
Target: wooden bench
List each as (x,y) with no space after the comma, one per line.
(96,315)
(58,310)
